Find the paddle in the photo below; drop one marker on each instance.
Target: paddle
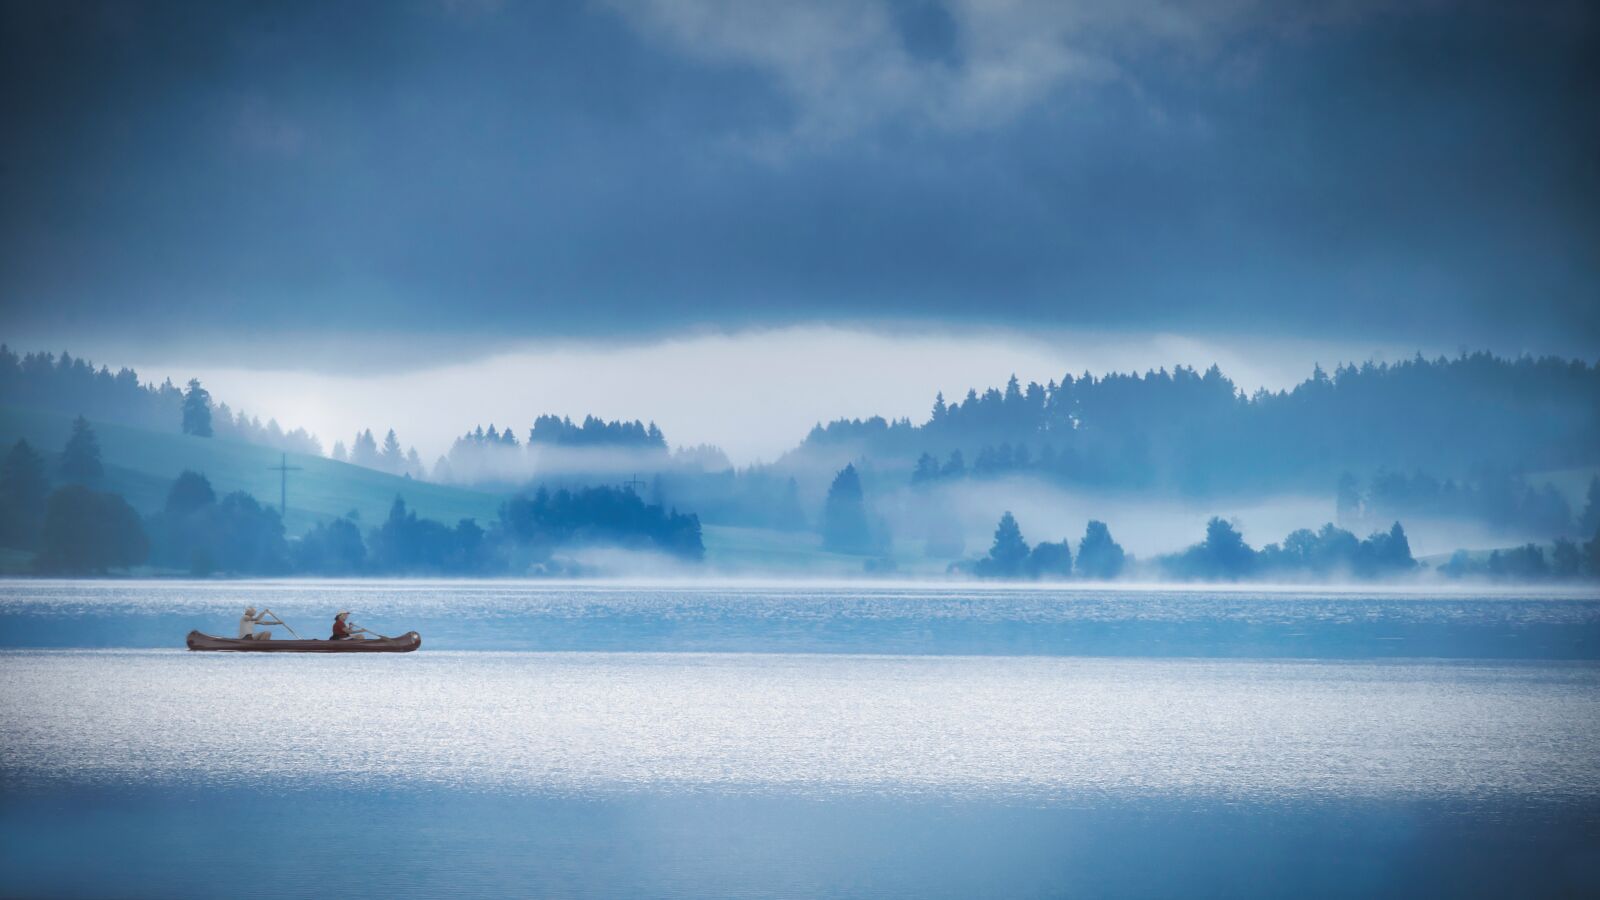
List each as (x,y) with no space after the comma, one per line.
(370,631)
(286,625)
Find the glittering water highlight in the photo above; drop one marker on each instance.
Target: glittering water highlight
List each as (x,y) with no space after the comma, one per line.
(598,722)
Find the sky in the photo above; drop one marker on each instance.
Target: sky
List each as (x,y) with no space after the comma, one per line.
(638,208)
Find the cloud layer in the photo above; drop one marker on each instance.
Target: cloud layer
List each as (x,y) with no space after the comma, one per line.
(485,173)
(850,67)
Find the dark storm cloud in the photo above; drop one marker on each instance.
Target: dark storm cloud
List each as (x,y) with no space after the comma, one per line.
(1411,173)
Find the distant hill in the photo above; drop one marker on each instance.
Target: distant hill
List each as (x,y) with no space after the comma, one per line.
(1198,434)
(141,465)
(68,384)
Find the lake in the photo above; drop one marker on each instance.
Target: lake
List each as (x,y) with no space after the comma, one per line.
(769,740)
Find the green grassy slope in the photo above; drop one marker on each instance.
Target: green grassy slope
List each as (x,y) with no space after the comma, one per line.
(141,466)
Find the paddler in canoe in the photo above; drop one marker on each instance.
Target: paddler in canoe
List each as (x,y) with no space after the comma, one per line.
(348,637)
(346,630)
(248,630)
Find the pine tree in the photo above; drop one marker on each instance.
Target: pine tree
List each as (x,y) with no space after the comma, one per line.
(339,454)
(845,528)
(197,410)
(87,531)
(364,450)
(1099,557)
(442,472)
(189,492)
(394,459)
(1009,552)
(1397,550)
(955,466)
(80,461)
(1050,560)
(1223,554)
(23,489)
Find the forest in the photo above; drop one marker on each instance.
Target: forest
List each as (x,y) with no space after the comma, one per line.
(73,385)
(1198,433)
(59,514)
(1305,555)
(1465,438)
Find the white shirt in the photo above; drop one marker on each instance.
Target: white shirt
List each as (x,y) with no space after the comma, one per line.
(247,625)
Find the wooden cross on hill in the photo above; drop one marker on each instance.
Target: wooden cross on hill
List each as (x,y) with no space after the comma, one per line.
(283,469)
(633,484)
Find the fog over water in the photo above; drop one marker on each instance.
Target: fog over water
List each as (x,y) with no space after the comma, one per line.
(1151,525)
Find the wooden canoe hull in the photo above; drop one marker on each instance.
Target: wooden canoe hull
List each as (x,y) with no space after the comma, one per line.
(405,643)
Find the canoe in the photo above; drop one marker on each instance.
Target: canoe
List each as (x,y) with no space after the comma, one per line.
(405,643)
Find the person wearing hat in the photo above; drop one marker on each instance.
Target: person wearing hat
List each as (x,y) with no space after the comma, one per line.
(248,622)
(344,631)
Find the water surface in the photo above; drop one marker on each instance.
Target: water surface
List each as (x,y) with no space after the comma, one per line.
(626,741)
(1077,621)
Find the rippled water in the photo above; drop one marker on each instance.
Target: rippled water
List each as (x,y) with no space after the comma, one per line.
(1022,727)
(1093,621)
(897,741)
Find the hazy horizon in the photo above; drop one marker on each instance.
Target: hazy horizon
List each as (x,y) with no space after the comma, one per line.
(754,393)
